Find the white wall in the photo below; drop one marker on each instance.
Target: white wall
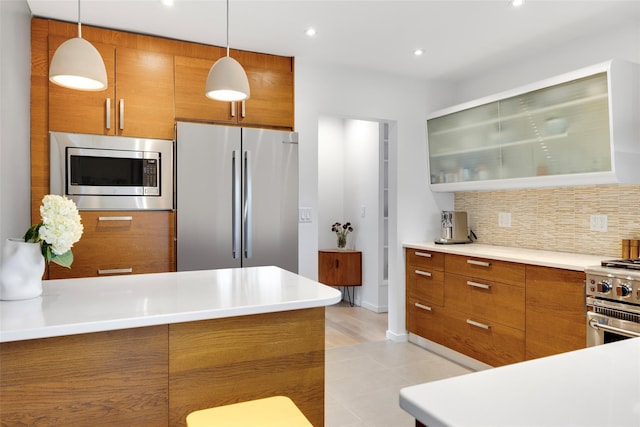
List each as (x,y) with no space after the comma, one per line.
(622,42)
(325,90)
(15,72)
(348,176)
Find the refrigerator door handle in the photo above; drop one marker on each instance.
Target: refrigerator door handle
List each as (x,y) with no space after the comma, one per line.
(235,204)
(247,205)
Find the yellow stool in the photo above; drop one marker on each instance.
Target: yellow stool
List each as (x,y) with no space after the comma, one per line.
(277,411)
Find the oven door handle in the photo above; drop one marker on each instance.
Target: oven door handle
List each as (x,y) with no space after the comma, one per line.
(594,324)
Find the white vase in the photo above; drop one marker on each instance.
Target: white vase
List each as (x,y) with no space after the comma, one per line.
(21,270)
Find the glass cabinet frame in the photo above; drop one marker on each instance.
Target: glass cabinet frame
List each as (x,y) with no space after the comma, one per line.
(579,128)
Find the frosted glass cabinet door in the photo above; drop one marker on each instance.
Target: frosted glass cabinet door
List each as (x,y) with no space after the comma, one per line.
(561,129)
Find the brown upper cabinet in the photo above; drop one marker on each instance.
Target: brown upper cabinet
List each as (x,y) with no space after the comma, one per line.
(270,79)
(138,101)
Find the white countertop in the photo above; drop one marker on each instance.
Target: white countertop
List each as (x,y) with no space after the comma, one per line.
(75,306)
(565,260)
(598,386)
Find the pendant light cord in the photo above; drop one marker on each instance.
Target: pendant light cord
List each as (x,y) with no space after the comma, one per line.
(79,24)
(227,27)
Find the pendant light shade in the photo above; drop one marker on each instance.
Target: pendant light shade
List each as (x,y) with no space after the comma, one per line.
(77,64)
(227,80)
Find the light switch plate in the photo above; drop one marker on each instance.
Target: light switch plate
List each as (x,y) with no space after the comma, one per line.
(304,215)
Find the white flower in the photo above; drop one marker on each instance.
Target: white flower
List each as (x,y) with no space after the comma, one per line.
(61,223)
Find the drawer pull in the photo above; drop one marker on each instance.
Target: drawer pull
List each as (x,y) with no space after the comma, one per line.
(480,263)
(115,218)
(478,285)
(422,306)
(423,254)
(115,271)
(478,324)
(423,273)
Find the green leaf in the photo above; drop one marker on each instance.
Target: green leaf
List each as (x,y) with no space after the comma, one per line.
(65,260)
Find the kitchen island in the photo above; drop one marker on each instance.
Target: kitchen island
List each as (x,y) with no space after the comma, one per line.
(149,349)
(596,386)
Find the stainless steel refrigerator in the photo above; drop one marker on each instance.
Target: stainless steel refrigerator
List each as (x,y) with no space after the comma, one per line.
(237,197)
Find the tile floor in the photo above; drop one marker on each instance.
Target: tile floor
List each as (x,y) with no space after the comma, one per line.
(365,372)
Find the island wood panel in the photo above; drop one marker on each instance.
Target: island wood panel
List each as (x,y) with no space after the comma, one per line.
(115,378)
(556,319)
(144,244)
(223,361)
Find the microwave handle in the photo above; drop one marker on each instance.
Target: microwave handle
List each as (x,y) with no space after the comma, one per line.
(108,113)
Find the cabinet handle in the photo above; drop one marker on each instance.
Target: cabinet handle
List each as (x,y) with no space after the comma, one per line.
(108,113)
(233,109)
(478,324)
(115,218)
(424,307)
(244,110)
(122,114)
(478,285)
(424,254)
(423,273)
(480,263)
(115,271)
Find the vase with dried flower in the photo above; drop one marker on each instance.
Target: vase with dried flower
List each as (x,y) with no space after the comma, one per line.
(342,231)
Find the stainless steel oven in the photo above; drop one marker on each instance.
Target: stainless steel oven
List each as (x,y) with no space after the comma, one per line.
(111,172)
(613,301)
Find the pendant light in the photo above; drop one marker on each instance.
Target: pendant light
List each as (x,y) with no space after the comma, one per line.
(227,80)
(77,64)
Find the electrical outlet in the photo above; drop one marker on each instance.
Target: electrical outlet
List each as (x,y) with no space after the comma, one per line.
(504,219)
(598,223)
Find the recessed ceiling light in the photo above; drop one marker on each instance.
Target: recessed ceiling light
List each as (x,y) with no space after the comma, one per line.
(517,3)
(418,52)
(167,2)
(310,32)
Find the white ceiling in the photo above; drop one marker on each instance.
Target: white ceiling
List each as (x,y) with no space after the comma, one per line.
(460,38)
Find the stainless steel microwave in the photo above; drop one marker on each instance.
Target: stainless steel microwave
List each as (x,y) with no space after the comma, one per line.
(112,172)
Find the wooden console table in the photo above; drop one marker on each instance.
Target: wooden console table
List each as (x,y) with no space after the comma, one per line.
(339,267)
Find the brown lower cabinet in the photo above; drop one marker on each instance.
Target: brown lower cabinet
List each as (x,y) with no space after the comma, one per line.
(494,311)
(156,375)
(127,242)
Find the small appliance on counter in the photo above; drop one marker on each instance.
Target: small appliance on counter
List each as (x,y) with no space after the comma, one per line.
(453,228)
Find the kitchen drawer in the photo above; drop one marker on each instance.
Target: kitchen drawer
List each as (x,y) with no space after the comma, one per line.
(489,269)
(497,302)
(140,241)
(425,284)
(484,340)
(425,259)
(425,320)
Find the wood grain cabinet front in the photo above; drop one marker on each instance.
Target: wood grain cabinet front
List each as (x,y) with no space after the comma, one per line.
(270,80)
(340,267)
(121,243)
(138,101)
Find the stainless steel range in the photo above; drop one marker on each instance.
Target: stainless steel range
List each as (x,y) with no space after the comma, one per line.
(613,301)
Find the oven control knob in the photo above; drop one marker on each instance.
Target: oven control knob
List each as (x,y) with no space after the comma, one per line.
(604,287)
(623,290)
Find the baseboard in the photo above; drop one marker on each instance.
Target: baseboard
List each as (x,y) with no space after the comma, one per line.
(397,337)
(450,354)
(375,308)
